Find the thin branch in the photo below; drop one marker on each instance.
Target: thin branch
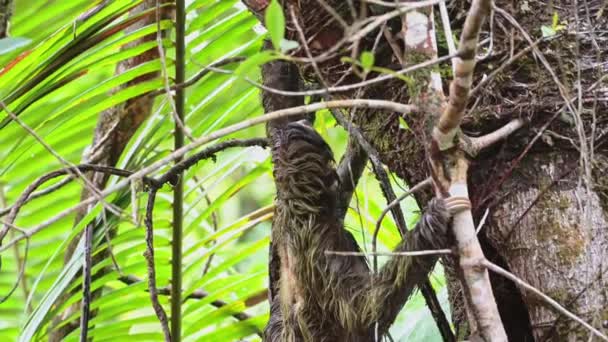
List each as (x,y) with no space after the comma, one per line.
(172,176)
(334,14)
(378,21)
(514,163)
(21,274)
(380,174)
(149,255)
(26,194)
(499,270)
(347,87)
(504,65)
(394,203)
(430,297)
(77,174)
(86,283)
(392,254)
(355,103)
(204,72)
(447,30)
(20,260)
(41,193)
(472,146)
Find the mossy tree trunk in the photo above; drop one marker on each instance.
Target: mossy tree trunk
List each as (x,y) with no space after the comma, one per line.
(539,227)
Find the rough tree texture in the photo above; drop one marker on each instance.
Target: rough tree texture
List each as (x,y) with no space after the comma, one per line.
(551,247)
(319,297)
(115,128)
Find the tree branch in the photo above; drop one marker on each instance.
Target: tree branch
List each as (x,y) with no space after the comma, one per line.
(464,65)
(149,255)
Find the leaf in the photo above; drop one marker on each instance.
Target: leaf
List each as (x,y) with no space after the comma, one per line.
(555,21)
(249,65)
(12,43)
(275,23)
(367,60)
(547,31)
(288,45)
(403,124)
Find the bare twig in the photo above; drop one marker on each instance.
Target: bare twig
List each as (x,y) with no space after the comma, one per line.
(20,260)
(380,174)
(41,193)
(375,22)
(503,66)
(22,264)
(472,146)
(86,282)
(394,203)
(347,87)
(25,195)
(447,30)
(411,253)
(149,255)
(171,177)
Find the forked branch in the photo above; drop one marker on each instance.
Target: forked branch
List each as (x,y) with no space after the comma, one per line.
(449,171)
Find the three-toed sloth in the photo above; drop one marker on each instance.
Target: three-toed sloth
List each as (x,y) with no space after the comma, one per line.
(316,296)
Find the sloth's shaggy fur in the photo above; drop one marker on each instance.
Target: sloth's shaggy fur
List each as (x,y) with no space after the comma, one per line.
(319,297)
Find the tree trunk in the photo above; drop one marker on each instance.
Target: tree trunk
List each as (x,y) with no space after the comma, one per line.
(540,230)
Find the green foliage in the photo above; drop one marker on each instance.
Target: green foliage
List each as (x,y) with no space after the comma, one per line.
(367,60)
(275,23)
(555,28)
(57,78)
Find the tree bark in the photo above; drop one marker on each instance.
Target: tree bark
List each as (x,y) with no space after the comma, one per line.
(540,230)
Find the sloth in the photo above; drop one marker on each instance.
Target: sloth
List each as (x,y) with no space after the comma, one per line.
(315,296)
